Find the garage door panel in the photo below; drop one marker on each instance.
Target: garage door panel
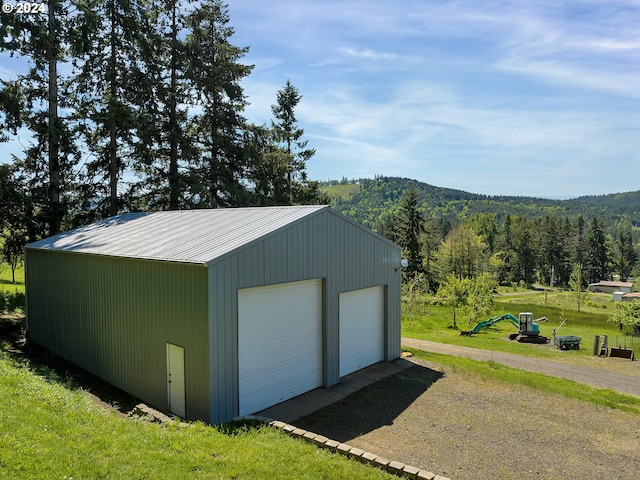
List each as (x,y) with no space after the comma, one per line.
(361,329)
(279,343)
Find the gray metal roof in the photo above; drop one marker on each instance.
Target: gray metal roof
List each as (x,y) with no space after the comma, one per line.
(189,236)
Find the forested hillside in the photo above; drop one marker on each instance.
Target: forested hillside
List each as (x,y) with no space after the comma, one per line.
(452,236)
(373,201)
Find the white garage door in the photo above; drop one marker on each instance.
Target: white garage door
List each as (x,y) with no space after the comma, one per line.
(361,329)
(279,343)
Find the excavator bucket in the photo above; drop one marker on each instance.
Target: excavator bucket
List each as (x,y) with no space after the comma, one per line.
(621,353)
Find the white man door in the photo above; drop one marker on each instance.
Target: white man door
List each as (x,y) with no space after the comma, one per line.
(175,379)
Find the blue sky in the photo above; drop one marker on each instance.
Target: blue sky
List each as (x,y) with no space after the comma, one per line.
(537,98)
(522,97)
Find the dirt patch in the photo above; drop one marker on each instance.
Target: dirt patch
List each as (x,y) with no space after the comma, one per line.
(463,428)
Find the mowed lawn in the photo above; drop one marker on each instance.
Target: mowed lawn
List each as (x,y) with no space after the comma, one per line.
(50,431)
(6,280)
(426,318)
(50,428)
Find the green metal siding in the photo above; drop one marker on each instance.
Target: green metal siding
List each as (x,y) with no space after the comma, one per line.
(113,317)
(324,245)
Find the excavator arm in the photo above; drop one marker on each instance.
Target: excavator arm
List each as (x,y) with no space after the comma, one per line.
(493,320)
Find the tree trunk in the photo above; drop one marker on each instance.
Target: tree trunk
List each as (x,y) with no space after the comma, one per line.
(173,121)
(53,134)
(113,130)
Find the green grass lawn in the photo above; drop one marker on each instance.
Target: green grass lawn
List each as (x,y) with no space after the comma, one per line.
(6,283)
(50,431)
(424,319)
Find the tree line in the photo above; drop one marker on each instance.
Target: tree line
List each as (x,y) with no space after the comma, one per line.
(135,105)
(517,250)
(376,201)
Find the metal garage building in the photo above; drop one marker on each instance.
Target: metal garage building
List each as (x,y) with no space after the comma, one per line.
(211,314)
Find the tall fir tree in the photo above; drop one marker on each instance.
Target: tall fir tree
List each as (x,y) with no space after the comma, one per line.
(164,145)
(214,70)
(109,83)
(524,249)
(288,135)
(596,252)
(409,231)
(626,255)
(47,167)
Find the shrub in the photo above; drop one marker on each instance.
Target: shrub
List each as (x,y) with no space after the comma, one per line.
(16,301)
(12,301)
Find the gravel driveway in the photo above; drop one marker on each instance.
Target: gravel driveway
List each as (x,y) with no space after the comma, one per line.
(460,426)
(596,377)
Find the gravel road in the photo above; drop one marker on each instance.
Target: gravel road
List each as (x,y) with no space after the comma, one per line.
(460,426)
(596,377)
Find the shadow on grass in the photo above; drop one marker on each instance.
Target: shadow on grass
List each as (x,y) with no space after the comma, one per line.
(55,369)
(372,407)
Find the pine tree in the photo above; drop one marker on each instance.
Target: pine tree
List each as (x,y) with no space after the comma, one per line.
(164,144)
(524,249)
(626,255)
(409,230)
(215,73)
(596,252)
(577,245)
(288,136)
(48,162)
(550,253)
(108,86)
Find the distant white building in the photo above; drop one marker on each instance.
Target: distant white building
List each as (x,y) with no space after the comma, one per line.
(627,297)
(611,287)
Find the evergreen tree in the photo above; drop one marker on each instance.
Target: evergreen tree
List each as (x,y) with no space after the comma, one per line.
(48,162)
(578,243)
(550,251)
(163,146)
(524,249)
(503,259)
(108,87)
(626,255)
(596,252)
(486,226)
(563,269)
(215,71)
(410,227)
(288,136)
(430,241)
(269,165)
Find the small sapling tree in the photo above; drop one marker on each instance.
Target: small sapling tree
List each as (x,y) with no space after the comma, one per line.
(575,282)
(454,291)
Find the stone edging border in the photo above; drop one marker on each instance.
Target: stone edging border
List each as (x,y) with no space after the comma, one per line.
(396,468)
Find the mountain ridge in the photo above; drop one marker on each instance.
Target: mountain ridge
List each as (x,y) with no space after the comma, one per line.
(379,197)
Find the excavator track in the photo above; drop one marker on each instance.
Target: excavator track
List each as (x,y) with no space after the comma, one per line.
(523,338)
